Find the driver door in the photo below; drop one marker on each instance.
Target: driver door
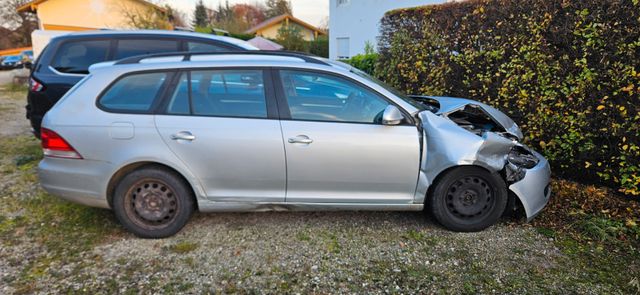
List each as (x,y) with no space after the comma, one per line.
(337,150)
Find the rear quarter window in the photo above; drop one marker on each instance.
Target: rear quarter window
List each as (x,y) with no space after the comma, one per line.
(135,93)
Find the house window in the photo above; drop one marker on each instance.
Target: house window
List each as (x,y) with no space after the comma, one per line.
(343,48)
(343,2)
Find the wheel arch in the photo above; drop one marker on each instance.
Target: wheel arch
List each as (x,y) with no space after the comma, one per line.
(441,174)
(128,168)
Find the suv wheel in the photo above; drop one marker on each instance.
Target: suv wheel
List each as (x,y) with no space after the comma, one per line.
(468,199)
(153,202)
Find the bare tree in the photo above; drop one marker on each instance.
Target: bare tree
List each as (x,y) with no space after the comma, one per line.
(175,16)
(16,27)
(146,18)
(237,18)
(278,7)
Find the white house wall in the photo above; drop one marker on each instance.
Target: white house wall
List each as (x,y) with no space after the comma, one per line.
(354,22)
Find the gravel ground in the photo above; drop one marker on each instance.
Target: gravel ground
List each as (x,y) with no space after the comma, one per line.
(13,120)
(52,246)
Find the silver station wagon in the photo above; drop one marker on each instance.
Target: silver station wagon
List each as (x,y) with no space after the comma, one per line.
(157,137)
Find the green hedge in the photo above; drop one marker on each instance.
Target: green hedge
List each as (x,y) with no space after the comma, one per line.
(319,47)
(365,62)
(567,71)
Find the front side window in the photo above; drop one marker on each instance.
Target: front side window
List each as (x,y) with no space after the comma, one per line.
(221,93)
(132,47)
(321,97)
(134,93)
(75,57)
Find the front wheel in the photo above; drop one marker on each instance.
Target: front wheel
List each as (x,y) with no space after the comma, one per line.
(468,199)
(153,202)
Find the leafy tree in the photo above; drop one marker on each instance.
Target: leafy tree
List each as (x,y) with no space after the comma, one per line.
(278,7)
(200,17)
(291,38)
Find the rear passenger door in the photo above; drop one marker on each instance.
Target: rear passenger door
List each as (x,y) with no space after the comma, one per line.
(222,123)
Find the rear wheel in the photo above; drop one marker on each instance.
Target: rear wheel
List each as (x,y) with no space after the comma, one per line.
(153,202)
(468,199)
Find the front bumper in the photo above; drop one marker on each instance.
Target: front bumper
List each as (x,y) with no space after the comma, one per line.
(534,189)
(79,181)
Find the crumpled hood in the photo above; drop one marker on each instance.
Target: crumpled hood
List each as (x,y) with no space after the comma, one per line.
(451,104)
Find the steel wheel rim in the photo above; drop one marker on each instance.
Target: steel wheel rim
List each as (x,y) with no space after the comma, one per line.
(151,203)
(470,198)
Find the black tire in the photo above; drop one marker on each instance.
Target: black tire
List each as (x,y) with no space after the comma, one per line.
(468,199)
(153,202)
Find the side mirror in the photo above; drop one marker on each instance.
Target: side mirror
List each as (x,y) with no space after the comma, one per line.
(28,65)
(392,116)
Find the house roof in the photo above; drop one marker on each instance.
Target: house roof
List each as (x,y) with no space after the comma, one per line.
(281,18)
(32,6)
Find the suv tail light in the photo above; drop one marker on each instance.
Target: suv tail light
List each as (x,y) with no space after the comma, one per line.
(35,86)
(53,145)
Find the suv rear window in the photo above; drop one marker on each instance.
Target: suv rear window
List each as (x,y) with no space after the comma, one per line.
(134,93)
(133,47)
(75,57)
(205,47)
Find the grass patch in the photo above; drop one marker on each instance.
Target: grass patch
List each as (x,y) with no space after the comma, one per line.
(594,265)
(183,247)
(29,215)
(547,232)
(20,146)
(303,236)
(13,87)
(331,243)
(607,230)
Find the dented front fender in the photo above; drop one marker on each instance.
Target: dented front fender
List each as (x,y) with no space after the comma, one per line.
(446,144)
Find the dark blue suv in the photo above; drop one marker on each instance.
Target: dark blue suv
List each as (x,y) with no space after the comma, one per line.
(66,59)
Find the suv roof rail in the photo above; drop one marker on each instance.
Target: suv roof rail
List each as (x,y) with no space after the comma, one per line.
(187,55)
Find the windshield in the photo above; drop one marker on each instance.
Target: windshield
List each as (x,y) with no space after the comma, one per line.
(12,58)
(396,92)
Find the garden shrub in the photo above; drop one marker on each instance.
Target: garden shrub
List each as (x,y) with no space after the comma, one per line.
(319,46)
(365,62)
(568,72)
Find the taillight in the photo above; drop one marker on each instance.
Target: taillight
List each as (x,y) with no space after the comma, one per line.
(53,145)
(35,86)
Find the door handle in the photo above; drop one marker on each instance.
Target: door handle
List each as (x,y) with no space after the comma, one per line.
(183,135)
(301,139)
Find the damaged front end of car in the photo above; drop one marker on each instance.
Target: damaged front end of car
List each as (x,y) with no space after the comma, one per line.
(465,132)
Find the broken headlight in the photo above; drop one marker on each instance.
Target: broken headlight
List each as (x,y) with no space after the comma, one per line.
(521,157)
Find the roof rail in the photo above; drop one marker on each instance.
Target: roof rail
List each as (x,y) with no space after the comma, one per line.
(187,55)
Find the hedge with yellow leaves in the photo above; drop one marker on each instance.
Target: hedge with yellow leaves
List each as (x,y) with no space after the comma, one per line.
(568,72)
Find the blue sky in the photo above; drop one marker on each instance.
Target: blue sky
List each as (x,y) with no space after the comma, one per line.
(311,11)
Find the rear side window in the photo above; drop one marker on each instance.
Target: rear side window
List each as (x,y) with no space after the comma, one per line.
(134,93)
(75,57)
(132,47)
(220,93)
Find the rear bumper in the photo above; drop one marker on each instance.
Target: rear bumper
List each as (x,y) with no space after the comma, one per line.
(534,190)
(79,181)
